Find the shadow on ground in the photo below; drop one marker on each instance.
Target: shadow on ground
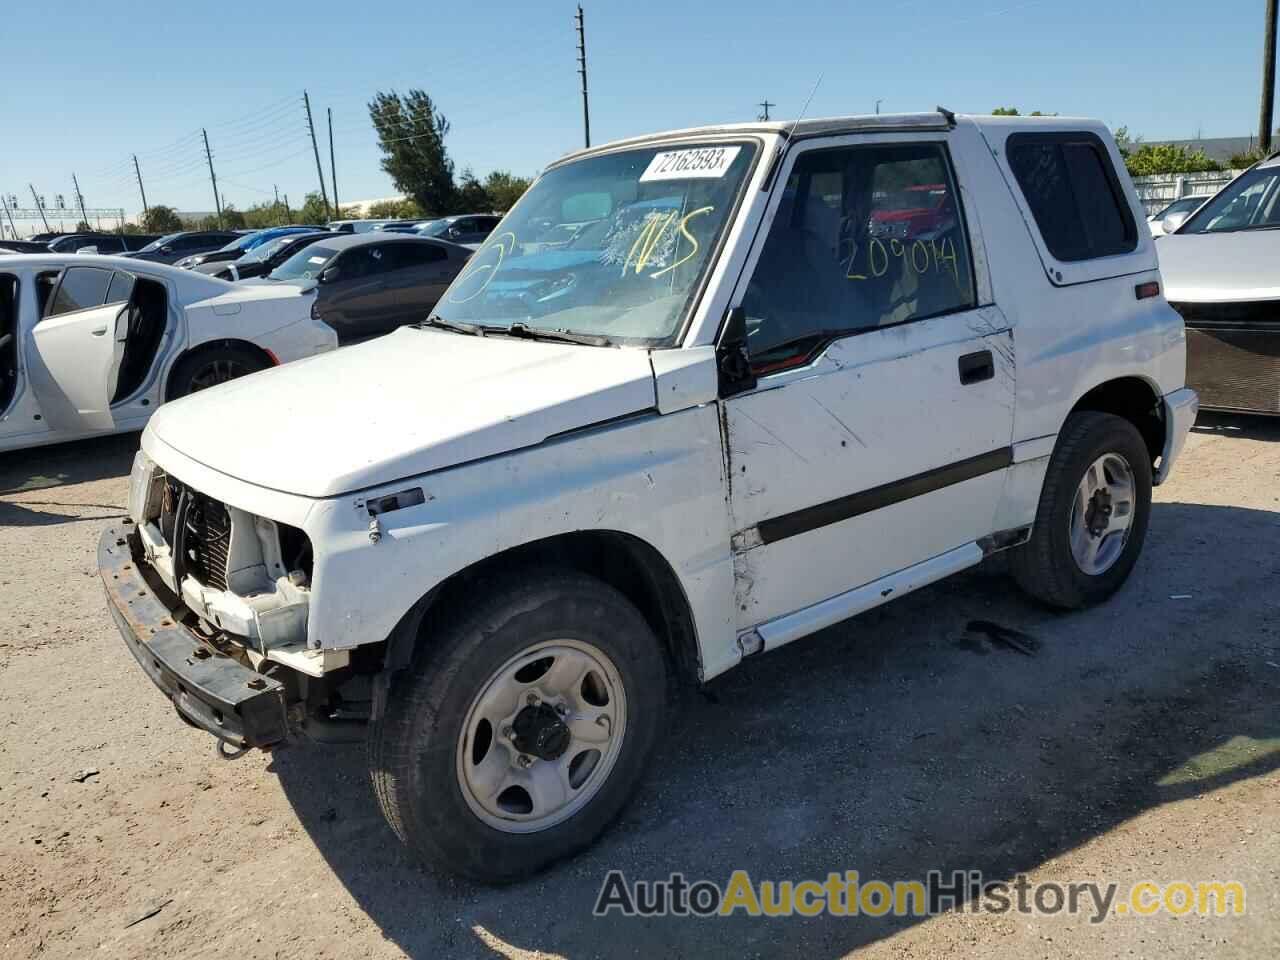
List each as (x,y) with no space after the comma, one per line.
(1238,425)
(892,744)
(42,468)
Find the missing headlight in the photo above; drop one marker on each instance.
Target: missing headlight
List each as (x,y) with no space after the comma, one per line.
(395,501)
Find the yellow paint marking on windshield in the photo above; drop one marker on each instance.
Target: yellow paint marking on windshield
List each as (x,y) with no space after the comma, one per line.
(475,267)
(684,229)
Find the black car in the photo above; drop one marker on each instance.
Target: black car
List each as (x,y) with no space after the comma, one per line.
(102,242)
(370,283)
(23,246)
(175,246)
(261,260)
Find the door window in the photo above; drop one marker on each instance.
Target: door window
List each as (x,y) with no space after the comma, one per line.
(364,262)
(80,289)
(1073,194)
(864,237)
(8,339)
(415,254)
(120,288)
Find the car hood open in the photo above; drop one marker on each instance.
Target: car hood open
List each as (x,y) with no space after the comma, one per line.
(1220,267)
(399,406)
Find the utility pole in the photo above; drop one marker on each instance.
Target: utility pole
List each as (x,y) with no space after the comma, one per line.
(582,69)
(333,170)
(80,199)
(12,228)
(878,102)
(315,149)
(141,190)
(1268,80)
(212,176)
(766,104)
(288,214)
(39,206)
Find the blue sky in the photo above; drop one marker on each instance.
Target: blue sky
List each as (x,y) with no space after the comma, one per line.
(82,91)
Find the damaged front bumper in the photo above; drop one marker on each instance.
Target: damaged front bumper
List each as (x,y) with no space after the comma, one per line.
(208,688)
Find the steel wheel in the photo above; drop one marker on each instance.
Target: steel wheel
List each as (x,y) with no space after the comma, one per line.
(1102,514)
(541,736)
(217,371)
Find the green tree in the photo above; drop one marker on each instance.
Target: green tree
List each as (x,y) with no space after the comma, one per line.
(504,190)
(313,211)
(472,196)
(411,133)
(161,219)
(1149,159)
(1013,112)
(394,210)
(83,227)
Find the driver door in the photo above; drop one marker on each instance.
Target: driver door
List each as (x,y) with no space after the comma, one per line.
(78,349)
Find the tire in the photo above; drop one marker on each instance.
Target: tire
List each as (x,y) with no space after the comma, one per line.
(210,366)
(421,745)
(1047,566)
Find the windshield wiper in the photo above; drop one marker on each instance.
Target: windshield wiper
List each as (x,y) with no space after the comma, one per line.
(526,332)
(457,326)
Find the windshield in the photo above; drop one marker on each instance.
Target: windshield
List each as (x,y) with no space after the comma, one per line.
(611,246)
(265,251)
(306,264)
(432,228)
(1250,202)
(1185,205)
(164,241)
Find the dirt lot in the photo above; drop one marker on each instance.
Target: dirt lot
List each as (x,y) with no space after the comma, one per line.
(1141,741)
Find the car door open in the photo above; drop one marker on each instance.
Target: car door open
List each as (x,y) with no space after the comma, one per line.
(77,361)
(883,388)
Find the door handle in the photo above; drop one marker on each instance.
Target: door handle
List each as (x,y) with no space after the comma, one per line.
(976,367)
(101,331)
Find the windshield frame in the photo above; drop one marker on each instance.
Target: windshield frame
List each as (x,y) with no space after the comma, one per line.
(664,142)
(1196,223)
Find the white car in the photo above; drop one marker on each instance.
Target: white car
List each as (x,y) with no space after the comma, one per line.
(95,344)
(734,409)
(1170,218)
(1222,273)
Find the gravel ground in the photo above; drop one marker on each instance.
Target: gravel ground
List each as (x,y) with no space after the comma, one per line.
(1141,740)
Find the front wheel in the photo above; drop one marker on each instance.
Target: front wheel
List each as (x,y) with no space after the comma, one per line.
(209,367)
(521,728)
(1092,518)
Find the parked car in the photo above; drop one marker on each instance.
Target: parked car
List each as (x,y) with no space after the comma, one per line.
(370,283)
(94,344)
(1220,268)
(401,226)
(734,418)
(100,242)
(24,246)
(356,226)
(263,258)
(1180,209)
(175,246)
(242,245)
(470,230)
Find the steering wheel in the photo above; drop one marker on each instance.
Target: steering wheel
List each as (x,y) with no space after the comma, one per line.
(561,286)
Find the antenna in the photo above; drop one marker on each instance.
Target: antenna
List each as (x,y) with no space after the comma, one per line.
(782,144)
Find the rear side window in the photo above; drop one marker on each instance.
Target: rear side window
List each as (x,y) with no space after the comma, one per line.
(416,254)
(80,289)
(121,288)
(1074,195)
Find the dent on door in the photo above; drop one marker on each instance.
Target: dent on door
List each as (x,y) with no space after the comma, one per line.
(75,364)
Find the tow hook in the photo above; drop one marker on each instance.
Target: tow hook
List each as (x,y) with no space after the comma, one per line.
(227,752)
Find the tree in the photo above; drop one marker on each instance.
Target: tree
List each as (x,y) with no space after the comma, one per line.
(504,190)
(411,133)
(394,210)
(1149,159)
(1013,112)
(161,219)
(312,211)
(472,196)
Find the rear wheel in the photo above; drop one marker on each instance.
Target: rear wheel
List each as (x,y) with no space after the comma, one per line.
(210,367)
(1092,518)
(521,728)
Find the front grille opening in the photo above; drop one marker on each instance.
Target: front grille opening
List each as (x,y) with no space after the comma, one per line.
(295,549)
(208,540)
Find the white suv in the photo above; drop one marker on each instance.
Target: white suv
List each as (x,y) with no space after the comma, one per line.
(772,376)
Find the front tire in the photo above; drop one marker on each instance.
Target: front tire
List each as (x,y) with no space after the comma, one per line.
(1093,513)
(521,728)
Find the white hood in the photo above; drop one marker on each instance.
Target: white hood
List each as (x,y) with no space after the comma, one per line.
(1220,267)
(401,405)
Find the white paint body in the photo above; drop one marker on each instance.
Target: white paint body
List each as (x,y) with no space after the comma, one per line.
(514,441)
(67,364)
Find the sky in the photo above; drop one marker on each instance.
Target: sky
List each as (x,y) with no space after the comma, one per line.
(84,86)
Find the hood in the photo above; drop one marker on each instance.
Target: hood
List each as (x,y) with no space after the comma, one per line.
(1220,267)
(399,406)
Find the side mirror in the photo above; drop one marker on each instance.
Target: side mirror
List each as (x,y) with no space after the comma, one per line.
(329,274)
(166,249)
(1172,222)
(733,358)
(453,233)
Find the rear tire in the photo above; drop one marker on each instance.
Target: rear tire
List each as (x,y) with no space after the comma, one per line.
(471,721)
(209,367)
(1084,545)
